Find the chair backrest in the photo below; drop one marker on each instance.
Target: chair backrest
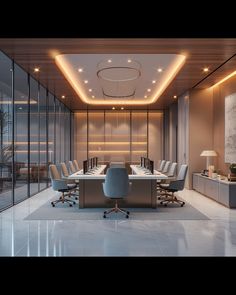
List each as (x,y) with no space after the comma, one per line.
(178,184)
(172,170)
(159,164)
(116,183)
(57,183)
(76,165)
(182,172)
(117,164)
(166,167)
(53,172)
(162,165)
(64,170)
(72,167)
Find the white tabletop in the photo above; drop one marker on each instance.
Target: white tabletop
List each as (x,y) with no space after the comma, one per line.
(97,174)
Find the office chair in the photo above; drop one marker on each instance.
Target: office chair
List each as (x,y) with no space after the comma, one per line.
(65,174)
(60,185)
(116,186)
(76,165)
(174,186)
(171,174)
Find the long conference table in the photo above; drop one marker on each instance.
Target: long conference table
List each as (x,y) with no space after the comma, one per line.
(142,194)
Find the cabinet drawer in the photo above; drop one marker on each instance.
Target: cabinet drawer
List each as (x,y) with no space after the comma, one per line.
(212,189)
(201,185)
(224,194)
(195,182)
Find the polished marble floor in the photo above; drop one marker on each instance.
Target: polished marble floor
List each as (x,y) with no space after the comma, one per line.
(214,237)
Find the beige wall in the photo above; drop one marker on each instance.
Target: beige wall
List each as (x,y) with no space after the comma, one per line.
(206,127)
(219,94)
(200,129)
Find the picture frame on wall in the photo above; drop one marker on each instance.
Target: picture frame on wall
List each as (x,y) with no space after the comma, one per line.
(230,128)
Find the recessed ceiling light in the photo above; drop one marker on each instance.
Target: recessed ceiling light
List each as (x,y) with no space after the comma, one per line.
(63,96)
(154,81)
(175,96)
(93,96)
(205,70)
(121,108)
(80,70)
(36,70)
(129,60)
(145,96)
(90,90)
(86,81)
(149,90)
(109,60)
(20,108)
(159,70)
(113,108)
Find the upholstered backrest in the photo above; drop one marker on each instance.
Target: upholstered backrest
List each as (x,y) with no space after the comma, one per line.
(182,172)
(76,165)
(54,174)
(117,164)
(116,183)
(172,170)
(72,167)
(166,167)
(162,165)
(64,170)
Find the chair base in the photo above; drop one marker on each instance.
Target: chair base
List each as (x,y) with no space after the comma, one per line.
(116,209)
(63,200)
(172,199)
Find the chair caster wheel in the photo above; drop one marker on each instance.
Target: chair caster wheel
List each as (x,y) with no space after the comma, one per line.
(104,216)
(76,198)
(70,205)
(161,203)
(127,216)
(159,198)
(182,204)
(127,212)
(165,205)
(104,212)
(74,203)
(53,205)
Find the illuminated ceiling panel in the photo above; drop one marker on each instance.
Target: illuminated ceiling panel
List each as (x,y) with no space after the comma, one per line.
(119,79)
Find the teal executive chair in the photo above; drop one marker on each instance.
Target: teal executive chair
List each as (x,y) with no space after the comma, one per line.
(60,185)
(116,187)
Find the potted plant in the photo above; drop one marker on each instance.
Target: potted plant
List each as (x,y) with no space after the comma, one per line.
(232,168)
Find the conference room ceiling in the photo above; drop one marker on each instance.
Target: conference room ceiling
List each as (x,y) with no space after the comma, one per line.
(200,54)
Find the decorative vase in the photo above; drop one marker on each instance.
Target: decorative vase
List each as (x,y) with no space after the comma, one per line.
(232,168)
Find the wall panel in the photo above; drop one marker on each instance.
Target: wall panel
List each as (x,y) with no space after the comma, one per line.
(155,136)
(80,137)
(118,136)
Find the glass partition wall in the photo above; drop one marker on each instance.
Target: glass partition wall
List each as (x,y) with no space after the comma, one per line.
(34,133)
